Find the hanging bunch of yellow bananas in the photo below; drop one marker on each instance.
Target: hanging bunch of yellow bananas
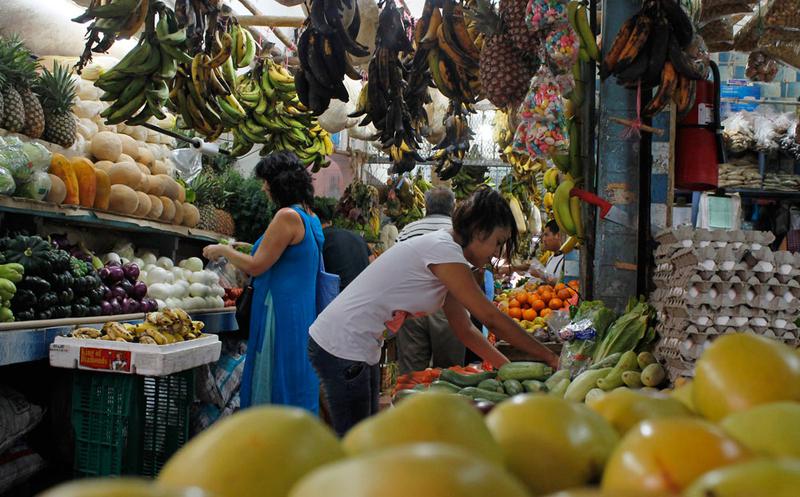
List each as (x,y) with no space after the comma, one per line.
(565,209)
(404,199)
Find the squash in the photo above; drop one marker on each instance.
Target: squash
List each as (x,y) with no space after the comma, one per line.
(129,145)
(159,167)
(169,209)
(103,189)
(125,173)
(87,180)
(191,216)
(144,205)
(171,188)
(58,191)
(145,156)
(156,185)
(104,165)
(157,208)
(123,199)
(61,167)
(178,219)
(106,145)
(126,158)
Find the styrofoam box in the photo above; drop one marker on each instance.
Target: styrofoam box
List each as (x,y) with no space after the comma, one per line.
(133,358)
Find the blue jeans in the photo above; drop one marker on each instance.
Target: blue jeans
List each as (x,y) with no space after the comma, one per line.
(351,388)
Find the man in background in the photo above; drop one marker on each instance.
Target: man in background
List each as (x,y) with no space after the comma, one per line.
(345,252)
(552,240)
(427,340)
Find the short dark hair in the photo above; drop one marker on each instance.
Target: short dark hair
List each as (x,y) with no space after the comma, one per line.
(480,214)
(324,208)
(289,182)
(552,225)
(439,201)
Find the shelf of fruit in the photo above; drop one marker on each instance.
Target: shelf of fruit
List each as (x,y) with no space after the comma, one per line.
(531,304)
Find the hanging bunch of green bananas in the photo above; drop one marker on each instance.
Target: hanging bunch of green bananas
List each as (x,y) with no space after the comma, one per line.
(404,199)
(468,179)
(111,20)
(138,85)
(450,152)
(275,117)
(203,90)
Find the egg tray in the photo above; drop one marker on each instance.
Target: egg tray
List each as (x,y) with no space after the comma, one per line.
(684,234)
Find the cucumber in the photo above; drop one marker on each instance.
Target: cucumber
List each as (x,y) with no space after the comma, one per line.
(402,394)
(444,386)
(476,393)
(653,375)
(492,385)
(645,359)
(522,371)
(513,387)
(607,362)
(465,380)
(534,386)
(556,378)
(560,388)
(632,379)
(585,382)
(614,379)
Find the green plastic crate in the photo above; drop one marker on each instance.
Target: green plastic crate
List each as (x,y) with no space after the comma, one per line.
(129,424)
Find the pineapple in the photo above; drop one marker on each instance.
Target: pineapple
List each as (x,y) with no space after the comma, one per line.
(57,91)
(504,73)
(210,195)
(23,112)
(513,14)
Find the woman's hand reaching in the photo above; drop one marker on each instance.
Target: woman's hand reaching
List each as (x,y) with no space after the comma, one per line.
(215,251)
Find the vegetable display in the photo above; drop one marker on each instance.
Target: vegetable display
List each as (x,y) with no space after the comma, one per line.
(158,328)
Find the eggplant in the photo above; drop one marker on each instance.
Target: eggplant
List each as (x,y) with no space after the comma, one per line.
(130,306)
(131,271)
(105,308)
(127,286)
(115,274)
(116,307)
(107,293)
(104,272)
(139,290)
(118,293)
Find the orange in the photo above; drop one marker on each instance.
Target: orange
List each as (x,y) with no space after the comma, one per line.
(563,294)
(513,303)
(560,286)
(529,314)
(545,312)
(546,288)
(556,304)
(575,284)
(546,296)
(522,297)
(538,304)
(515,312)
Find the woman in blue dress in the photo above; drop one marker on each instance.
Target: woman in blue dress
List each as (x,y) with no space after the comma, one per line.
(284,264)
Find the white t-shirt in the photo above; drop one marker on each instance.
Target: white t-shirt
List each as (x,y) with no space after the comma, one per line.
(397,284)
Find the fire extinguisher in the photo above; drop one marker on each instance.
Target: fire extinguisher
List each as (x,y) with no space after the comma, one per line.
(698,142)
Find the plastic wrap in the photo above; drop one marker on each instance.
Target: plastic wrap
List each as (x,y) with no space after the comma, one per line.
(542,14)
(543,127)
(13,158)
(789,143)
(36,188)
(737,132)
(38,156)
(785,51)
(7,183)
(764,132)
(761,67)
(714,13)
(561,45)
(783,14)
(718,35)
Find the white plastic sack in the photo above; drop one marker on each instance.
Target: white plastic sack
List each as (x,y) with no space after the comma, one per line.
(335,119)
(368,11)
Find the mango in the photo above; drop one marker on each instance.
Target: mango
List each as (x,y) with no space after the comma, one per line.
(598,492)
(625,408)
(258,452)
(768,429)
(683,393)
(758,478)
(551,443)
(740,371)
(418,470)
(668,454)
(118,487)
(430,417)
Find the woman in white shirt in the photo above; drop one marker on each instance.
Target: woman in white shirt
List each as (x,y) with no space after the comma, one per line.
(414,278)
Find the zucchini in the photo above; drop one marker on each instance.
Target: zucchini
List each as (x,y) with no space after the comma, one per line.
(614,378)
(534,386)
(632,379)
(476,393)
(465,380)
(402,394)
(522,371)
(556,378)
(560,388)
(608,361)
(513,387)
(444,386)
(492,385)
(585,382)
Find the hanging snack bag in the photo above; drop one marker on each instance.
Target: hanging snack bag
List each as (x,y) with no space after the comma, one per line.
(542,14)
(562,45)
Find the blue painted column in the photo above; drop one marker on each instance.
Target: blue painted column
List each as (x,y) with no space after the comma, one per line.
(617,177)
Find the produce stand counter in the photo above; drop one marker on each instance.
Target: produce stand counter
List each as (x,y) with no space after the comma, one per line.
(28,341)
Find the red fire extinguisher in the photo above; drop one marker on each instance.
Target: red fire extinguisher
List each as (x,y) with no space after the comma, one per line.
(698,141)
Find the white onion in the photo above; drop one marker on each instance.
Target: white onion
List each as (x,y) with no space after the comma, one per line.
(165,262)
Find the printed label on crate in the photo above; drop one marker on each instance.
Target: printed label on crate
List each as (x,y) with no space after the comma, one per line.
(114,360)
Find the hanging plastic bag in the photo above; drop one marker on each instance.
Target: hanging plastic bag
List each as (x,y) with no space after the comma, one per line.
(188,163)
(543,128)
(737,132)
(38,156)
(561,45)
(761,67)
(764,131)
(541,14)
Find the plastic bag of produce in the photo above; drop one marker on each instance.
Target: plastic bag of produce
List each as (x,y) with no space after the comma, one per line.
(36,188)
(632,331)
(14,159)
(38,156)
(7,184)
(764,131)
(583,333)
(737,132)
(188,163)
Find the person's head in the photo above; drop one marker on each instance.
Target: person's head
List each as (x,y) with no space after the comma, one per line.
(286,181)
(324,211)
(439,201)
(485,227)
(551,236)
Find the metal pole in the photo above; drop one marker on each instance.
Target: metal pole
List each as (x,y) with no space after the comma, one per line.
(618,177)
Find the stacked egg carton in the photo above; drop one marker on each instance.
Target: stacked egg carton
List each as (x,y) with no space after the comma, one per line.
(709,283)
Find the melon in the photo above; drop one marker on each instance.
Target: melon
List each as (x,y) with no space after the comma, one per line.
(191,216)
(168,213)
(105,165)
(156,207)
(178,219)
(123,199)
(129,145)
(145,156)
(125,173)
(144,205)
(58,190)
(123,157)
(106,145)
(156,185)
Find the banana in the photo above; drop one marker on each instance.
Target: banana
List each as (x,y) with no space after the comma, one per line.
(240,48)
(547,200)
(169,66)
(430,38)
(217,82)
(681,61)
(134,87)
(157,336)
(118,8)
(149,66)
(135,21)
(225,50)
(575,214)
(561,206)
(569,245)
(176,53)
(636,42)
(249,50)
(669,81)
(127,110)
(609,63)
(584,30)
(460,35)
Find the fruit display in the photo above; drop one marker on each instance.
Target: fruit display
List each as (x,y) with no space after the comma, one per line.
(451,150)
(111,20)
(358,209)
(10,274)
(53,284)
(530,302)
(159,328)
(650,51)
(403,198)
(566,209)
